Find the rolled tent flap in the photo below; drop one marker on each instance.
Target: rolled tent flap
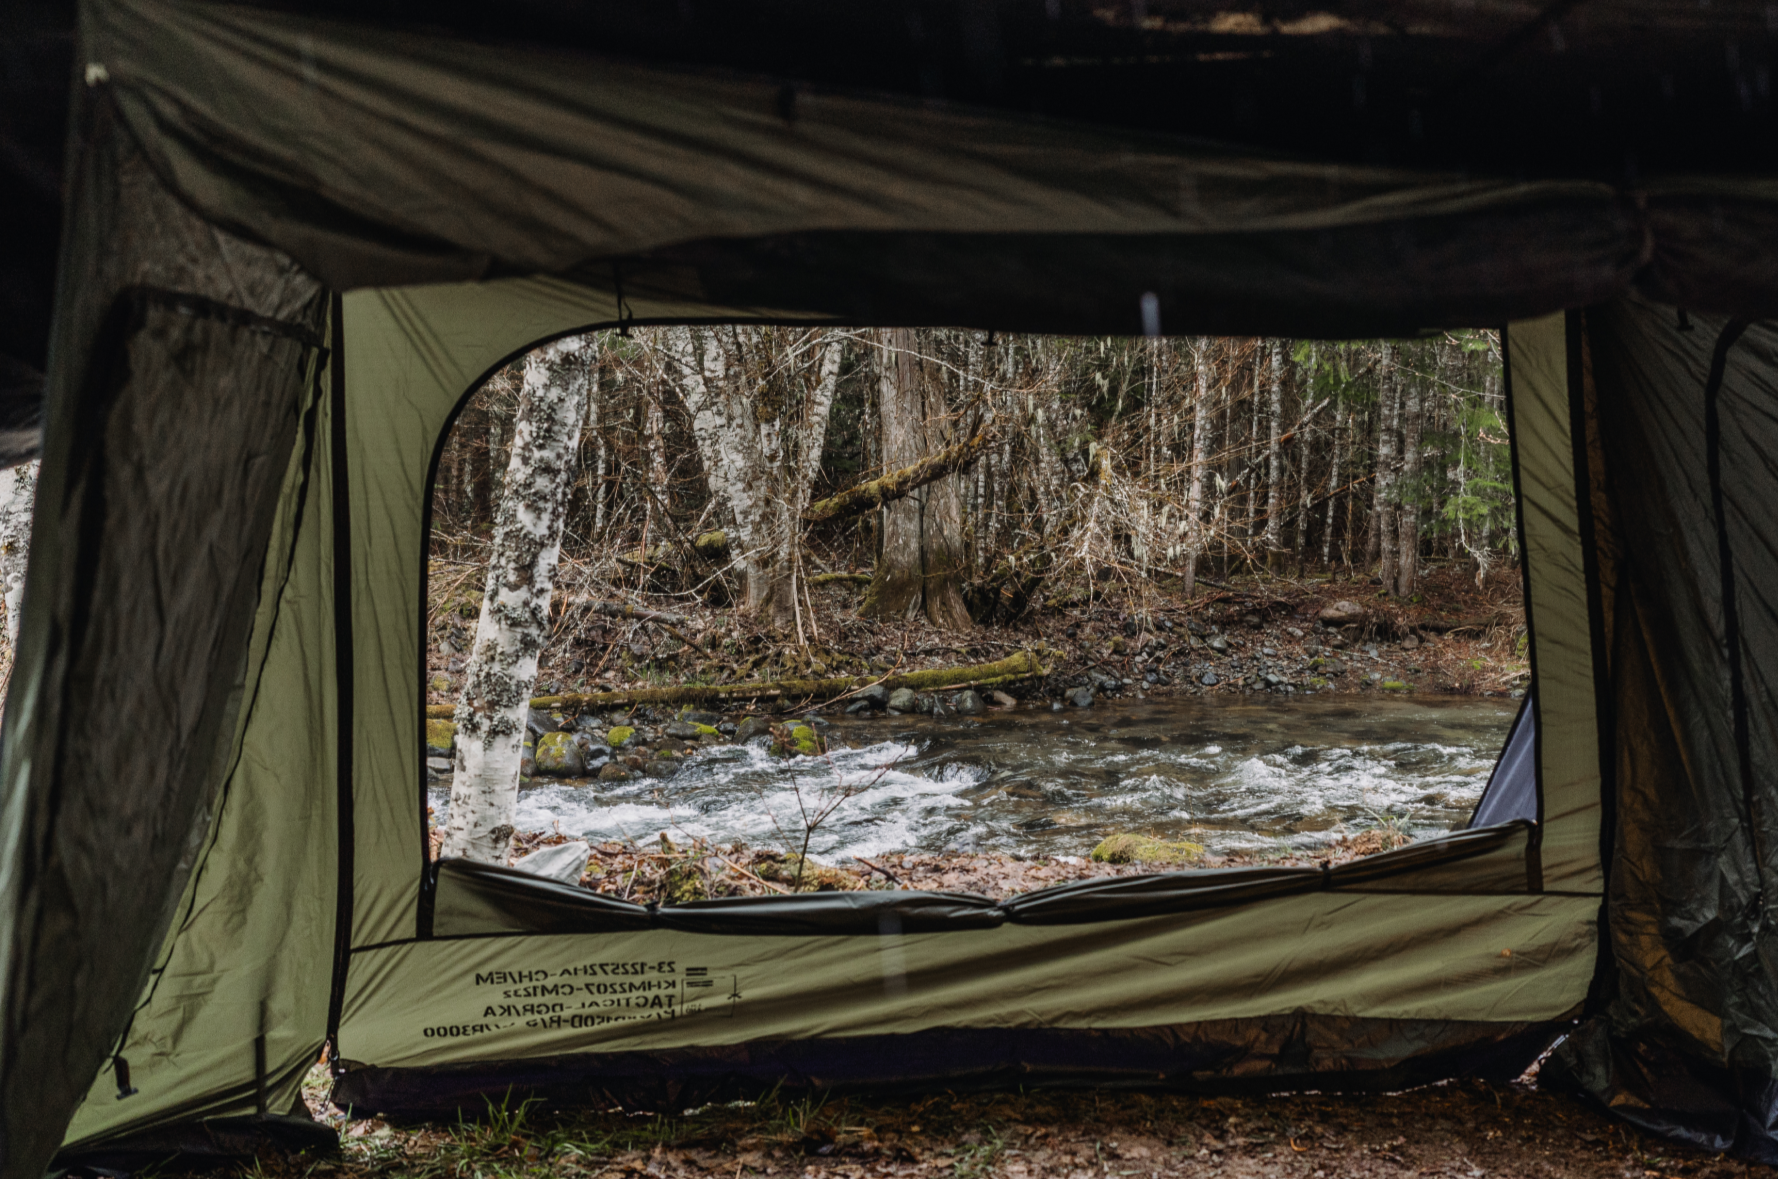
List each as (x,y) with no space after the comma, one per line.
(1686,1042)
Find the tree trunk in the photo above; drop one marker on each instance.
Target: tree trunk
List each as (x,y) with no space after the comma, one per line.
(18,496)
(514,622)
(759,433)
(1200,459)
(1407,560)
(1275,455)
(921,568)
(1381,546)
(1333,497)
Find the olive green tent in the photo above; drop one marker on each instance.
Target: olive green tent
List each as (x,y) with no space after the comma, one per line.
(293,245)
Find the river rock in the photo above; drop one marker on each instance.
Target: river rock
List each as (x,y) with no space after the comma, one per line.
(751,727)
(539,723)
(565,862)
(876,696)
(439,765)
(528,758)
(857,706)
(1001,698)
(558,756)
(969,702)
(441,738)
(712,719)
(1208,679)
(614,771)
(1341,613)
(1145,849)
(1023,789)
(1218,643)
(661,767)
(903,700)
(1081,697)
(593,755)
(687,730)
(1410,643)
(619,736)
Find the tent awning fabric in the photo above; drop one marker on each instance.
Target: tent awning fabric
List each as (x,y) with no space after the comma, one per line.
(294,245)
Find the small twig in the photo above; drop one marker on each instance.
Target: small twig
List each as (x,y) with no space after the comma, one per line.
(892,876)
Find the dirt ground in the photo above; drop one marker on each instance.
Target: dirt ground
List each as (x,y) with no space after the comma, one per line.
(1460,1129)
(1452,637)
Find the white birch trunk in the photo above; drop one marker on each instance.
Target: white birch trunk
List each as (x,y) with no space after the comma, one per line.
(1333,498)
(1407,547)
(514,621)
(760,454)
(18,496)
(1194,495)
(1275,454)
(1382,541)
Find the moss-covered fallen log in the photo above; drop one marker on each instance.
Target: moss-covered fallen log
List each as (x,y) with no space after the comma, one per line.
(832,578)
(895,485)
(1022,666)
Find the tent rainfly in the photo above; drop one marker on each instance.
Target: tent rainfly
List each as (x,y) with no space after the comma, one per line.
(292,246)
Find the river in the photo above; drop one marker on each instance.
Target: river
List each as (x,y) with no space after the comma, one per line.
(1235,774)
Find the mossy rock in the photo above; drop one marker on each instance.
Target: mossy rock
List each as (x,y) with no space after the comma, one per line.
(441,737)
(815,877)
(441,683)
(1393,686)
(619,736)
(558,756)
(807,742)
(1318,682)
(1145,849)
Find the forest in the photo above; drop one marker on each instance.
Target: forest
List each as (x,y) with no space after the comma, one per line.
(738,465)
(786,518)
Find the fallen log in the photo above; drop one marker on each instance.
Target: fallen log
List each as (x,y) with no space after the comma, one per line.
(623,610)
(1447,626)
(868,496)
(830,578)
(1022,666)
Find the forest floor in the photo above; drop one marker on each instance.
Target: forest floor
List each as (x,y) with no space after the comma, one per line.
(1453,636)
(1467,1129)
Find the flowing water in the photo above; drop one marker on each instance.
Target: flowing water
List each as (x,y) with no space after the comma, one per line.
(1234,775)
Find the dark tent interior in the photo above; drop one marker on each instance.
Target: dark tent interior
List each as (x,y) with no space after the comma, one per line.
(227,216)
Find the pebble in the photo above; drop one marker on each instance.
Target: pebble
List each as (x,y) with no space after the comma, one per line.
(1081,697)
(1209,679)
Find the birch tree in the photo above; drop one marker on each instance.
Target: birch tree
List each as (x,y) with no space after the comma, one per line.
(759,404)
(1275,455)
(18,496)
(514,621)
(1407,557)
(1381,545)
(1200,461)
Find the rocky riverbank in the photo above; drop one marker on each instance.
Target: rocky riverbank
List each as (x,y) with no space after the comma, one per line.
(1270,635)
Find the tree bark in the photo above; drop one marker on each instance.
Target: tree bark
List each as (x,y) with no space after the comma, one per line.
(759,434)
(922,567)
(1275,455)
(1333,497)
(18,498)
(514,620)
(1200,460)
(1381,545)
(1407,559)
